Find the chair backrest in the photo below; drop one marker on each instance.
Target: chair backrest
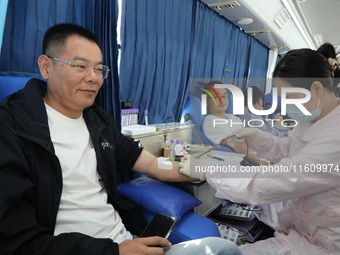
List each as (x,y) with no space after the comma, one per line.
(230,105)
(268,101)
(9,85)
(197,117)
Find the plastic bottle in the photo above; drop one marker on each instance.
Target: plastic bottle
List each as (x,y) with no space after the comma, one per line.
(123,122)
(137,116)
(130,116)
(146,113)
(172,150)
(134,117)
(126,119)
(179,156)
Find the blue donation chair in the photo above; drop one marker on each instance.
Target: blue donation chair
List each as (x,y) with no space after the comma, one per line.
(151,195)
(193,108)
(268,101)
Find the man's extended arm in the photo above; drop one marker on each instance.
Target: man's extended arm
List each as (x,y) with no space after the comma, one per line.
(147,164)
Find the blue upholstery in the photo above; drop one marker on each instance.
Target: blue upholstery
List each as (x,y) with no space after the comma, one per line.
(191,226)
(268,101)
(230,105)
(197,119)
(169,200)
(9,85)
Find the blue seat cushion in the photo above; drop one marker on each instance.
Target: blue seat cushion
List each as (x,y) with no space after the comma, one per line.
(157,197)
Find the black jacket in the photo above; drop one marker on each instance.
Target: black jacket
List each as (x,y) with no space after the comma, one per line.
(31,177)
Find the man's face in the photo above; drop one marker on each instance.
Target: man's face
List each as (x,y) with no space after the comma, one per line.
(218,107)
(68,93)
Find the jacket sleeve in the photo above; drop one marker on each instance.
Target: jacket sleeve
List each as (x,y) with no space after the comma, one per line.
(127,150)
(20,232)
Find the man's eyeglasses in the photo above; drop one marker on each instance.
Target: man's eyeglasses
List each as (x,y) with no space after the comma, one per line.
(225,96)
(83,68)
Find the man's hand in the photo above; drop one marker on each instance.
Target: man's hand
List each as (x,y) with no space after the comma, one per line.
(188,167)
(144,246)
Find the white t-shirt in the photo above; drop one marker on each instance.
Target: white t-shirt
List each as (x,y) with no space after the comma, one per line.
(83,206)
(216,128)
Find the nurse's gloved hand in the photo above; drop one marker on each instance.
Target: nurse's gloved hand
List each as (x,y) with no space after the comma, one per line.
(245,134)
(194,168)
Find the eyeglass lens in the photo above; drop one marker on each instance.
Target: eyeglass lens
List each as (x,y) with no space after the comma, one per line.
(83,68)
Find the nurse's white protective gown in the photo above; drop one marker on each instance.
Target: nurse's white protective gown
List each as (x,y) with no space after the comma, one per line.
(302,202)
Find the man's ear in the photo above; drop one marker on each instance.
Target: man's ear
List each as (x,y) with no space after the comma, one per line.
(257,103)
(260,101)
(44,64)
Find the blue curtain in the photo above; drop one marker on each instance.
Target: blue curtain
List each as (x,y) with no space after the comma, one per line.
(211,45)
(238,56)
(278,58)
(166,43)
(104,26)
(3,10)
(155,48)
(258,64)
(27,21)
(222,51)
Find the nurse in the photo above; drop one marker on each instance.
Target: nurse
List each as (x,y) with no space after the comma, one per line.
(300,197)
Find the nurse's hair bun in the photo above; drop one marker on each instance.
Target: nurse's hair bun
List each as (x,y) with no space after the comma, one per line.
(334,63)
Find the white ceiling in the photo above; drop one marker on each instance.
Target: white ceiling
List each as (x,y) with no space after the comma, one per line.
(318,19)
(323,17)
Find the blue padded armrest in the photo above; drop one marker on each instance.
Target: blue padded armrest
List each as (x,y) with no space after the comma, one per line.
(154,196)
(157,197)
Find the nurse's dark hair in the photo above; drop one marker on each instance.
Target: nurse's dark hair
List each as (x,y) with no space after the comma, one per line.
(257,93)
(56,36)
(307,64)
(328,51)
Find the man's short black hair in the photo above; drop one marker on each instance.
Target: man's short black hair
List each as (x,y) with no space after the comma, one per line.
(56,36)
(257,94)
